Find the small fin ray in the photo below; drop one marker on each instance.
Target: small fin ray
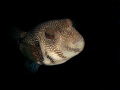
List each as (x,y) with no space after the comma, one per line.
(31,66)
(16,33)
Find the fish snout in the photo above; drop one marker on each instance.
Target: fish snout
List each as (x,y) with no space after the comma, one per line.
(78,41)
(79,44)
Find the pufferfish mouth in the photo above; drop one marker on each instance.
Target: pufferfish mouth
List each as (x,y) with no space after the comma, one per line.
(79,45)
(78,42)
(76,47)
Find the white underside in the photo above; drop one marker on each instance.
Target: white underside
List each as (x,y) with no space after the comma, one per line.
(55,57)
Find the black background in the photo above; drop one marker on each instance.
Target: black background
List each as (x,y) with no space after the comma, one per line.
(98,22)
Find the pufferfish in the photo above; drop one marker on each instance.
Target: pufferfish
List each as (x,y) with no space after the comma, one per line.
(51,43)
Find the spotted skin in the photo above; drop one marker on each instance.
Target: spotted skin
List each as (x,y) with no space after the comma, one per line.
(53,42)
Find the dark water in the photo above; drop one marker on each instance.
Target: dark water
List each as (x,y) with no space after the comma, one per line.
(98,63)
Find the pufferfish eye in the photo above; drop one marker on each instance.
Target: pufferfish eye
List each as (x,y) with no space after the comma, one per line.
(50,34)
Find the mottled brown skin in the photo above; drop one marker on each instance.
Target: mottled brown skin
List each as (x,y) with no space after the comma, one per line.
(51,42)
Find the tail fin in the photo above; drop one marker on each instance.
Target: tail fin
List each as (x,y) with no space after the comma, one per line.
(17,33)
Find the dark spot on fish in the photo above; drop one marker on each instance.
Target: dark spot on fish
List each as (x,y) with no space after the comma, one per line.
(37,43)
(50,58)
(72,49)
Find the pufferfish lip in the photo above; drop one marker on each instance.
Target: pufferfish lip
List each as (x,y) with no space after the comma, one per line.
(78,42)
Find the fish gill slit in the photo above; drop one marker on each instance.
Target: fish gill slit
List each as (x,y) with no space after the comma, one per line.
(38,54)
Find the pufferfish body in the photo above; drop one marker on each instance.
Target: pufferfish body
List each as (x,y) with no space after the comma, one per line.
(50,43)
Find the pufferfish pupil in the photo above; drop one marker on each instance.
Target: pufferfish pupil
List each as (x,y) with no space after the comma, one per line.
(50,43)
(49,35)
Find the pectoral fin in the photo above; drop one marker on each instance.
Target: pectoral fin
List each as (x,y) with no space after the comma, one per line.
(33,54)
(31,66)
